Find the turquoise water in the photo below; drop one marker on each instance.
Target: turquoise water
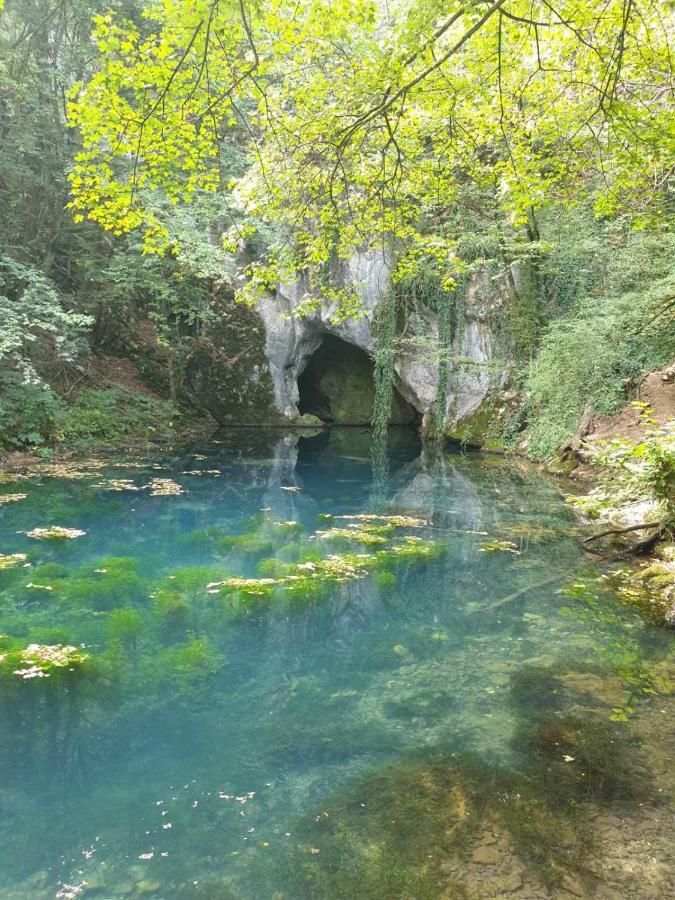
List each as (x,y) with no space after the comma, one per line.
(446,707)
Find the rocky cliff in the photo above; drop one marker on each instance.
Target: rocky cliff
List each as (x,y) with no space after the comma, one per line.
(285,365)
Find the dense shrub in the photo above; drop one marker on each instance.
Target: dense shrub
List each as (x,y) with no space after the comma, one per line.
(597,350)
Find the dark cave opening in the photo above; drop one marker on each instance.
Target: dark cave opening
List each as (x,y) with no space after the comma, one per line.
(337,385)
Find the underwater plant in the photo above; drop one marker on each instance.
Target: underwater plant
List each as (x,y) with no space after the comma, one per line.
(108,583)
(185,596)
(185,665)
(124,627)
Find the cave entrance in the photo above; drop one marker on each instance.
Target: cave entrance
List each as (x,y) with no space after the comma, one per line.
(337,385)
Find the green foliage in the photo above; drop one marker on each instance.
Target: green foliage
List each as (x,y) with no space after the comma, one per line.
(111,415)
(28,410)
(64,284)
(605,340)
(527,137)
(36,329)
(32,313)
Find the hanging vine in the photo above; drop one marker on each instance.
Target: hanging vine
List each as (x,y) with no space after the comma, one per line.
(379,465)
(450,326)
(427,285)
(383,359)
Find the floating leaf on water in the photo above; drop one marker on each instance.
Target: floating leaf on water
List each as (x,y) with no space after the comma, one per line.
(13,559)
(164,487)
(396,521)
(506,546)
(55,532)
(76,469)
(41,659)
(118,484)
(11,498)
(362,535)
(10,477)
(130,465)
(251,586)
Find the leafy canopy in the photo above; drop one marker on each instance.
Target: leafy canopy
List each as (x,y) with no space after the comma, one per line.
(366,124)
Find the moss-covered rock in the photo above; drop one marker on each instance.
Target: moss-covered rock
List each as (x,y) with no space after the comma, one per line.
(307,420)
(226,371)
(478,429)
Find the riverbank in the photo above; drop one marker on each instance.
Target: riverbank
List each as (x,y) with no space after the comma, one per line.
(625,465)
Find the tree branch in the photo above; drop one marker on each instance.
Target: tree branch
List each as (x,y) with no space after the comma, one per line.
(595,537)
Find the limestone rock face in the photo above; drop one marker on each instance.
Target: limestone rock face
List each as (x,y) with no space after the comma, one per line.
(247,366)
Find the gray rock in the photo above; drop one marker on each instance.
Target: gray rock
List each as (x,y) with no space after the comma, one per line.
(290,341)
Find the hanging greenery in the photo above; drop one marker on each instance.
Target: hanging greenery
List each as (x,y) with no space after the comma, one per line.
(383,358)
(450,326)
(428,288)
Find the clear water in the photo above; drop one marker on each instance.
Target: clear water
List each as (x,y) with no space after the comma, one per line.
(440,727)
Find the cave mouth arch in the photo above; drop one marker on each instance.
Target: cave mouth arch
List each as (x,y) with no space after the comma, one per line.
(338,386)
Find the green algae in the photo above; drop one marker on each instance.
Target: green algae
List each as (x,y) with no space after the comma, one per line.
(370,537)
(185,597)
(188,663)
(125,625)
(333,569)
(311,573)
(110,582)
